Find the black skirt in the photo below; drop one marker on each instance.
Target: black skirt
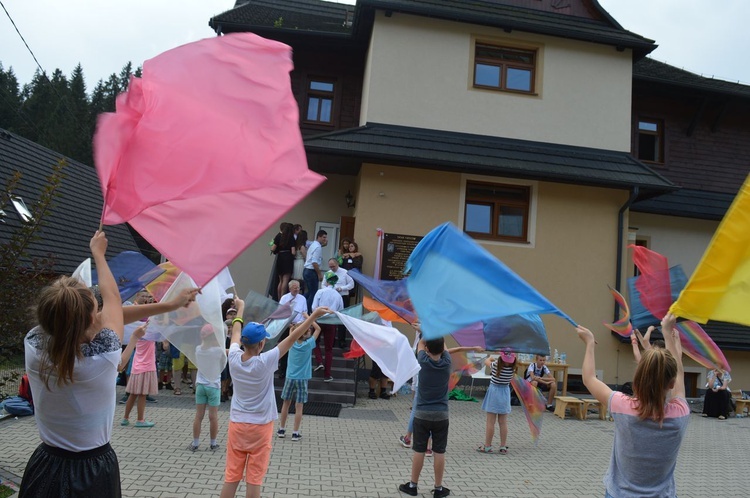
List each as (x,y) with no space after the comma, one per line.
(716,404)
(284,263)
(54,472)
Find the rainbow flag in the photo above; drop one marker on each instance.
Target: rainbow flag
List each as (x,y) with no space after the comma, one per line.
(700,347)
(623,325)
(533,404)
(462,365)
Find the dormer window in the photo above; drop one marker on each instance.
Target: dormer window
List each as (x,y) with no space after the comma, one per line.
(21,208)
(321,95)
(504,68)
(651,140)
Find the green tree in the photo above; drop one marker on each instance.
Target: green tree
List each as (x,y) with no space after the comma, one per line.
(10,100)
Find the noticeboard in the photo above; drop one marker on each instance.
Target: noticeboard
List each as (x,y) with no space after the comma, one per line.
(396,251)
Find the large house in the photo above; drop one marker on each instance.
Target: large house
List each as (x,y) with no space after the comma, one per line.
(538,127)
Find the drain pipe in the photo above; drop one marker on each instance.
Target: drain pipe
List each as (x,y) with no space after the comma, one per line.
(618,274)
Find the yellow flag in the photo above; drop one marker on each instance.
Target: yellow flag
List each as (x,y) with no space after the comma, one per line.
(719,289)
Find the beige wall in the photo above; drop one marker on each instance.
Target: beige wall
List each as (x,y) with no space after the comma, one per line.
(326,204)
(571,262)
(419,73)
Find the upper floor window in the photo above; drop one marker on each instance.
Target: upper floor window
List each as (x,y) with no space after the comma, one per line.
(320,101)
(651,140)
(497,211)
(504,68)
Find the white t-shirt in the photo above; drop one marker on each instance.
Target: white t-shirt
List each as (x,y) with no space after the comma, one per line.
(254,401)
(76,416)
(209,356)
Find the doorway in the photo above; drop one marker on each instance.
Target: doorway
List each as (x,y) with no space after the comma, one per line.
(329,251)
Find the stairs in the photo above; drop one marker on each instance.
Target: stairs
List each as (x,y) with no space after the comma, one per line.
(340,390)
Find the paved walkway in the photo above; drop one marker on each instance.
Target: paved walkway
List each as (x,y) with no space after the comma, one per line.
(357,455)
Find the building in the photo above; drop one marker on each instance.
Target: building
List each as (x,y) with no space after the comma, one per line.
(513,119)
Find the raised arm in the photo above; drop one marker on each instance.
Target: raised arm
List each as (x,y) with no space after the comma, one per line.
(461,349)
(142,311)
(596,387)
(674,346)
(285,345)
(237,323)
(636,349)
(111,313)
(134,338)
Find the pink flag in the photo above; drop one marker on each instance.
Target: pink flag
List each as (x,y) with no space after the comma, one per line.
(653,284)
(204,152)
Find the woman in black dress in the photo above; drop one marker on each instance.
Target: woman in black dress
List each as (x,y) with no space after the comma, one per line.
(283,247)
(716,402)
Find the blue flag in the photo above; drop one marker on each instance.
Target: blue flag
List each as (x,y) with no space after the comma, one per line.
(454,282)
(132,271)
(520,333)
(392,293)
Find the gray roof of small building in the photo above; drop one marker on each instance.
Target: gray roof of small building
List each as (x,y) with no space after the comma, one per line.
(332,18)
(688,203)
(480,154)
(76,211)
(650,70)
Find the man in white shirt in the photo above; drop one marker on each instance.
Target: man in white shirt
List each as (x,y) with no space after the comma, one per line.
(313,273)
(343,286)
(299,306)
(328,297)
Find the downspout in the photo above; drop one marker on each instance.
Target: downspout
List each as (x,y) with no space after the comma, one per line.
(618,274)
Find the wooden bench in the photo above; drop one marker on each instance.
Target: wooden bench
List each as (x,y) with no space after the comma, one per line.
(742,404)
(563,403)
(593,403)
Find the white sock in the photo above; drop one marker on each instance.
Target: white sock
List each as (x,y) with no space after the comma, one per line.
(196,441)
(213,442)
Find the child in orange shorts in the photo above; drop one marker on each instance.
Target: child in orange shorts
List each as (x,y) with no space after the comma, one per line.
(253,412)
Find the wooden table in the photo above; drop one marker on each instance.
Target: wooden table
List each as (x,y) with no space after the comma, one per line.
(741,405)
(554,368)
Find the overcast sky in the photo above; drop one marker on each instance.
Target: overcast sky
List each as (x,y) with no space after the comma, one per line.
(708,37)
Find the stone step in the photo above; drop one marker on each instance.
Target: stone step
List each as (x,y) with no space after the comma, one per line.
(338,384)
(346,398)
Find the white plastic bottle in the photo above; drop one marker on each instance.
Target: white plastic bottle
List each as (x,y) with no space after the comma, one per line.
(556,358)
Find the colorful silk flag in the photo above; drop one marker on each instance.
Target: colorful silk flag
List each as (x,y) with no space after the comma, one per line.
(386,346)
(521,333)
(208,136)
(463,365)
(653,282)
(355,351)
(356,311)
(533,404)
(132,271)
(391,293)
(700,347)
(381,309)
(719,288)
(640,317)
(454,282)
(622,326)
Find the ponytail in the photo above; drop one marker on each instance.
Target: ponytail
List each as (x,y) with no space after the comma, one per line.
(653,379)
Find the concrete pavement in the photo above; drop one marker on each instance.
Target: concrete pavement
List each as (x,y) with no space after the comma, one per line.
(358,455)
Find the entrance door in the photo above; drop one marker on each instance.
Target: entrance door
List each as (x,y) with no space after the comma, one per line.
(347,227)
(691,384)
(329,251)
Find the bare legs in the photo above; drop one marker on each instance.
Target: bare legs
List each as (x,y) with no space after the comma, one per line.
(141,410)
(489,431)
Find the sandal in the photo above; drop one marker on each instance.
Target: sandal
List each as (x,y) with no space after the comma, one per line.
(485,449)
(177,391)
(503,450)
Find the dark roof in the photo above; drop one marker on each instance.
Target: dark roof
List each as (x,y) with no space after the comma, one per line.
(305,15)
(496,14)
(687,203)
(481,154)
(651,70)
(75,214)
(333,18)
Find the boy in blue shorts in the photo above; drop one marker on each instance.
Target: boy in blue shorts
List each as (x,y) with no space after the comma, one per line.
(207,391)
(298,372)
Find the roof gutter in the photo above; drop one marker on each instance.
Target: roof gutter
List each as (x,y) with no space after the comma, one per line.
(620,228)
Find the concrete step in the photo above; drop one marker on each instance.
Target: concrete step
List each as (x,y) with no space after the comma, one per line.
(346,398)
(338,384)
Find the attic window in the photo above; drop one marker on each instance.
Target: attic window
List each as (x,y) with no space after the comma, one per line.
(503,68)
(321,96)
(21,208)
(651,140)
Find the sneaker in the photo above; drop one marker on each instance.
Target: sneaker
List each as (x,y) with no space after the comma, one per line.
(440,492)
(192,448)
(405,441)
(168,386)
(406,488)
(144,423)
(428,453)
(372,395)
(281,433)
(213,447)
(124,422)
(124,398)
(296,436)
(550,408)
(328,379)
(319,367)
(385,395)
(151,400)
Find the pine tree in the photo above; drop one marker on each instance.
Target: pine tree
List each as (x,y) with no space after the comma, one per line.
(10,100)
(79,106)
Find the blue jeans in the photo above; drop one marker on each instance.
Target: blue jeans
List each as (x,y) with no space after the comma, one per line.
(410,425)
(311,286)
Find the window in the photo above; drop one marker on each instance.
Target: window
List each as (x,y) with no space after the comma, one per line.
(503,68)
(320,100)
(21,208)
(651,140)
(497,212)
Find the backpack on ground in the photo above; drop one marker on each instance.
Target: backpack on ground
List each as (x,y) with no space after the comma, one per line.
(24,389)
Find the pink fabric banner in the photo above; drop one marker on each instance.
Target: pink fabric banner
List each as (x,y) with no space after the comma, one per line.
(204,152)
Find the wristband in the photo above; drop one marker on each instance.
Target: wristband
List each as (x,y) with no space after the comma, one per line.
(242,322)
